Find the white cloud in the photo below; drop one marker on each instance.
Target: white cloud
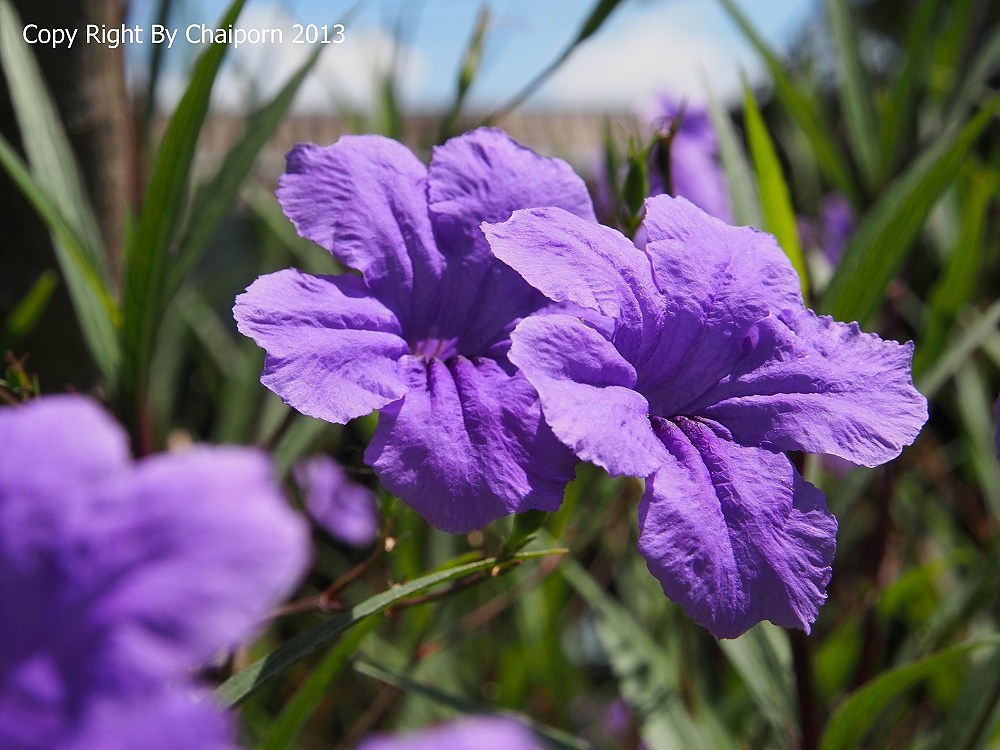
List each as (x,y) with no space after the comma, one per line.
(346,73)
(677,49)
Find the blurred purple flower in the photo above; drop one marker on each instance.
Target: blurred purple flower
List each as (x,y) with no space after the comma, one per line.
(118,578)
(473,733)
(695,172)
(837,224)
(710,368)
(346,510)
(424,335)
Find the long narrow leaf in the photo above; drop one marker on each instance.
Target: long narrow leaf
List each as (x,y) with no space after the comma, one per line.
(889,231)
(215,197)
(162,206)
(739,177)
(779,216)
(803,110)
(53,164)
(855,91)
(854,718)
(91,299)
(241,685)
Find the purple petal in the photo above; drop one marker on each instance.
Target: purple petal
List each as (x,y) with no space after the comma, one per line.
(716,281)
(475,733)
(695,172)
(333,350)
(207,547)
(345,509)
(822,387)
(734,534)
(485,175)
(167,720)
(571,260)
(468,446)
(364,200)
(585,387)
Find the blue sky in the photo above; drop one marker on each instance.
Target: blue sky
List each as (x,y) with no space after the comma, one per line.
(647,46)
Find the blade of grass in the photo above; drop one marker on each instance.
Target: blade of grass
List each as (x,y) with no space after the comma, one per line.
(779,216)
(645,678)
(803,110)
(214,198)
(600,12)
(467,72)
(974,336)
(92,301)
(855,91)
(968,723)
(888,232)
(22,319)
(739,177)
(241,685)
(854,718)
(49,153)
(152,240)
(307,698)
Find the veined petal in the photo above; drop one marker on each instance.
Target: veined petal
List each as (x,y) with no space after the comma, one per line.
(572,260)
(364,200)
(824,387)
(206,548)
(734,534)
(585,387)
(333,350)
(468,446)
(716,281)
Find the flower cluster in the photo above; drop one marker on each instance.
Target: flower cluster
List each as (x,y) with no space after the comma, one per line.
(118,578)
(503,333)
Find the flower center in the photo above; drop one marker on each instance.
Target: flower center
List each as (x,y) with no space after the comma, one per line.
(435,348)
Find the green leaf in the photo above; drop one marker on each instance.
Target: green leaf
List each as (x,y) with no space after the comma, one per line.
(739,176)
(646,678)
(904,93)
(25,315)
(803,110)
(968,723)
(779,215)
(888,232)
(49,153)
(92,301)
(854,718)
(855,91)
(162,207)
(241,685)
(467,72)
(972,338)
(763,660)
(214,198)
(975,402)
(554,737)
(307,698)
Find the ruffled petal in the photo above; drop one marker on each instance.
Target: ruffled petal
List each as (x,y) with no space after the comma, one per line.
(205,548)
(468,445)
(822,387)
(364,200)
(585,387)
(333,350)
(716,281)
(575,261)
(734,534)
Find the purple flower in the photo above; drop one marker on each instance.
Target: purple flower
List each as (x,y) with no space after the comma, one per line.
(118,578)
(695,172)
(710,367)
(424,335)
(473,733)
(837,224)
(345,509)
